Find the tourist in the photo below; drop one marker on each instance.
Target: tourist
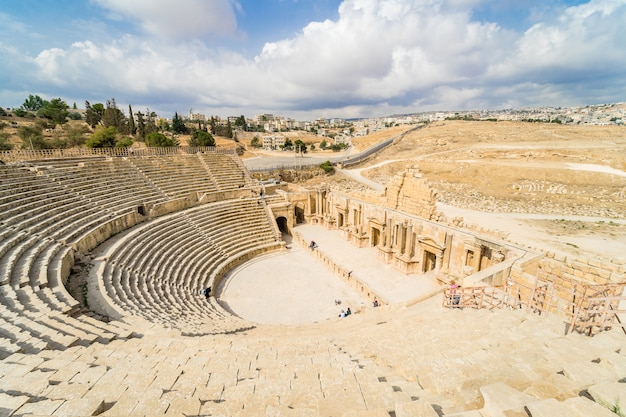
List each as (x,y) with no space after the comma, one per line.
(348,312)
(454,297)
(342,314)
(375,302)
(312,245)
(207,292)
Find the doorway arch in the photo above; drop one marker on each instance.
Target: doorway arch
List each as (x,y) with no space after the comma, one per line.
(283,225)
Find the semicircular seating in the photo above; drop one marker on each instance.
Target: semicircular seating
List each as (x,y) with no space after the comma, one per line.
(54,210)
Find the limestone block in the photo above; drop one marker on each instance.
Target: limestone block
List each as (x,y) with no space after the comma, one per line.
(239,392)
(284,411)
(188,406)
(26,359)
(151,406)
(609,341)
(34,383)
(471,413)
(588,373)
(43,407)
(81,407)
(379,412)
(499,398)
(553,386)
(109,392)
(224,408)
(8,403)
(338,405)
(89,375)
(584,407)
(421,408)
(66,391)
(545,408)
(611,395)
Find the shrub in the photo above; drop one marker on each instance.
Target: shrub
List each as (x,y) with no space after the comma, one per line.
(159,140)
(103,137)
(327,166)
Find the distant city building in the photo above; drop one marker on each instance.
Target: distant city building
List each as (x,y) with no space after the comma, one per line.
(273,142)
(197,117)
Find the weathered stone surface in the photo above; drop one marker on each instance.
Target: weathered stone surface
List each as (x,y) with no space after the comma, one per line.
(584,407)
(611,395)
(500,397)
(420,408)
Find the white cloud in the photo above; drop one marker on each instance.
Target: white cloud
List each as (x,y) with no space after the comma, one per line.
(178,19)
(378,57)
(587,41)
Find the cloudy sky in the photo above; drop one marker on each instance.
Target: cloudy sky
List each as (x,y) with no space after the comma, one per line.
(314,58)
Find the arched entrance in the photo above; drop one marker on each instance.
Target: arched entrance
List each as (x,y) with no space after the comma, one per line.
(283,226)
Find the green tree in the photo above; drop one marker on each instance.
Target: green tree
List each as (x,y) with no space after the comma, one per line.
(337,147)
(131,121)
(163,125)
(213,125)
(327,166)
(151,125)
(229,130)
(141,126)
(55,110)
(103,137)
(256,142)
(241,122)
(201,138)
(75,116)
(156,139)
(32,137)
(114,117)
(75,135)
(300,146)
(33,103)
(323,144)
(178,125)
(22,113)
(288,144)
(125,142)
(93,114)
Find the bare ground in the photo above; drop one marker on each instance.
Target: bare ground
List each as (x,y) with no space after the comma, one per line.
(560,188)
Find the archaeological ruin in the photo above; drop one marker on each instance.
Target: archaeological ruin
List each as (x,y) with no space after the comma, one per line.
(104,256)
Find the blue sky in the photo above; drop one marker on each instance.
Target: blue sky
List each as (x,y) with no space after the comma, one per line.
(307,59)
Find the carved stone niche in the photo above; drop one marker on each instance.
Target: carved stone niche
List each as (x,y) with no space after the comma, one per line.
(376,232)
(430,252)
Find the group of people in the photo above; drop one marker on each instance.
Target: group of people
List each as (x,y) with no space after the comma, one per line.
(345,313)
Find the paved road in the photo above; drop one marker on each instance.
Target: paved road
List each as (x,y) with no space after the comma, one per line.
(288,160)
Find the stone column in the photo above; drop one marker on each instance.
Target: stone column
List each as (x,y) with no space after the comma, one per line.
(388,234)
(409,243)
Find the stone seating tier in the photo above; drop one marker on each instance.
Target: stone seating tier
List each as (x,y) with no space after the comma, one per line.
(158,269)
(49,205)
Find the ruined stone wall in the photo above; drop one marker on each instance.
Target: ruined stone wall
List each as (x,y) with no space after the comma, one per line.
(588,270)
(410,193)
(407,241)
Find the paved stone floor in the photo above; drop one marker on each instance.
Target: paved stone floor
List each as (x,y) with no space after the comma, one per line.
(293,287)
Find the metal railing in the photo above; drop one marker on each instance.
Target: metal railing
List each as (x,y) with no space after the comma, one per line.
(24,155)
